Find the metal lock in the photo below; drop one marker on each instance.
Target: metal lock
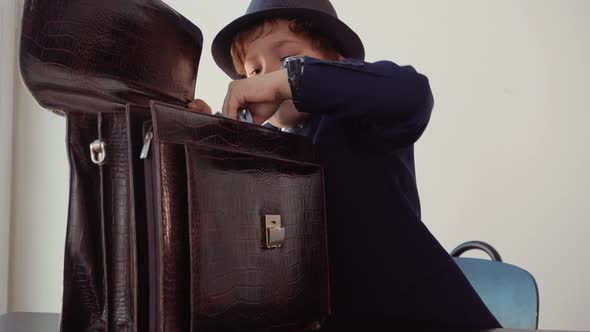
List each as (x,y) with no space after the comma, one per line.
(274,233)
(98,151)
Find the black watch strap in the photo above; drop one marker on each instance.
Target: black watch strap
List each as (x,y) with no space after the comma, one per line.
(294,65)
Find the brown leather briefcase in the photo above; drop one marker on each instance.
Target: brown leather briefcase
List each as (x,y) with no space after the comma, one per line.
(177,221)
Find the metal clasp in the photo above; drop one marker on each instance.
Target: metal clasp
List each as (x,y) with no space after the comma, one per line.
(147,141)
(98,151)
(274,233)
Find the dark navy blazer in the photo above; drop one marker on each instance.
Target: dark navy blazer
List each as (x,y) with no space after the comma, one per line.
(385,264)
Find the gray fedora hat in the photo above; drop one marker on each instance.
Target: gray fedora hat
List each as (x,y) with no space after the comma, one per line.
(320,12)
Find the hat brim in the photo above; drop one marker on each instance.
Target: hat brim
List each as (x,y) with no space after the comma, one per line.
(346,40)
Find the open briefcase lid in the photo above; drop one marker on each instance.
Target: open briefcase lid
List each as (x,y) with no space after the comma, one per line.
(96,56)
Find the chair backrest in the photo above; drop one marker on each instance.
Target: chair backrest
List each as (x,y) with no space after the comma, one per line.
(509,292)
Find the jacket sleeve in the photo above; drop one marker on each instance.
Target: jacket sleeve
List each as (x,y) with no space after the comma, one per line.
(383,102)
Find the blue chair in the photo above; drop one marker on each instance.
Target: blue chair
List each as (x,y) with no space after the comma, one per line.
(509,292)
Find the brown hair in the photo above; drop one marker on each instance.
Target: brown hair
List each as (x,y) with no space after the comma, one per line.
(300,27)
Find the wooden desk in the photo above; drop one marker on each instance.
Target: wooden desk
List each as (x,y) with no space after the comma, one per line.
(49,322)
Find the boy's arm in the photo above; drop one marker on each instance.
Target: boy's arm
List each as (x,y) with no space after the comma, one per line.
(388,102)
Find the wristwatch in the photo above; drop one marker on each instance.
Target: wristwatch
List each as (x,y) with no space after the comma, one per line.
(294,65)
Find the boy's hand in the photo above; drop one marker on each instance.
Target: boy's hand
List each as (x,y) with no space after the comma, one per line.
(199,105)
(261,95)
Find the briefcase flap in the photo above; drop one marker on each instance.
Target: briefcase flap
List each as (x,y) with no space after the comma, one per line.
(257,228)
(174,124)
(96,56)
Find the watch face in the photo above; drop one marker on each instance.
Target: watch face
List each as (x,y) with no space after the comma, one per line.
(245,116)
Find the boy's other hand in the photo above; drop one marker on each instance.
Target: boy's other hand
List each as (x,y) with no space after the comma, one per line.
(261,95)
(200,106)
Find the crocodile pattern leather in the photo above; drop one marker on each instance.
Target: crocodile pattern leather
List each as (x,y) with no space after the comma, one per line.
(238,136)
(236,284)
(88,60)
(96,56)
(174,242)
(172,239)
(84,291)
(119,239)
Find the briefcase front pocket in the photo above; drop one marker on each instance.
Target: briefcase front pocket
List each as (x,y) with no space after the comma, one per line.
(256,223)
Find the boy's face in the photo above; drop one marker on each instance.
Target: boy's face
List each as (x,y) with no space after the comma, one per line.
(265,54)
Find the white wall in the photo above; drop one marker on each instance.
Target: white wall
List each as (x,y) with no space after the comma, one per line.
(7,42)
(39,205)
(504,159)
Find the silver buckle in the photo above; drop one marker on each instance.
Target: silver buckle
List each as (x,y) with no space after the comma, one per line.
(98,151)
(274,233)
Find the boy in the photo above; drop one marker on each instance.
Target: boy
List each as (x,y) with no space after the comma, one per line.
(299,68)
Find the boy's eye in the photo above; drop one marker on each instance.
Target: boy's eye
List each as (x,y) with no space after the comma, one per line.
(255,71)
